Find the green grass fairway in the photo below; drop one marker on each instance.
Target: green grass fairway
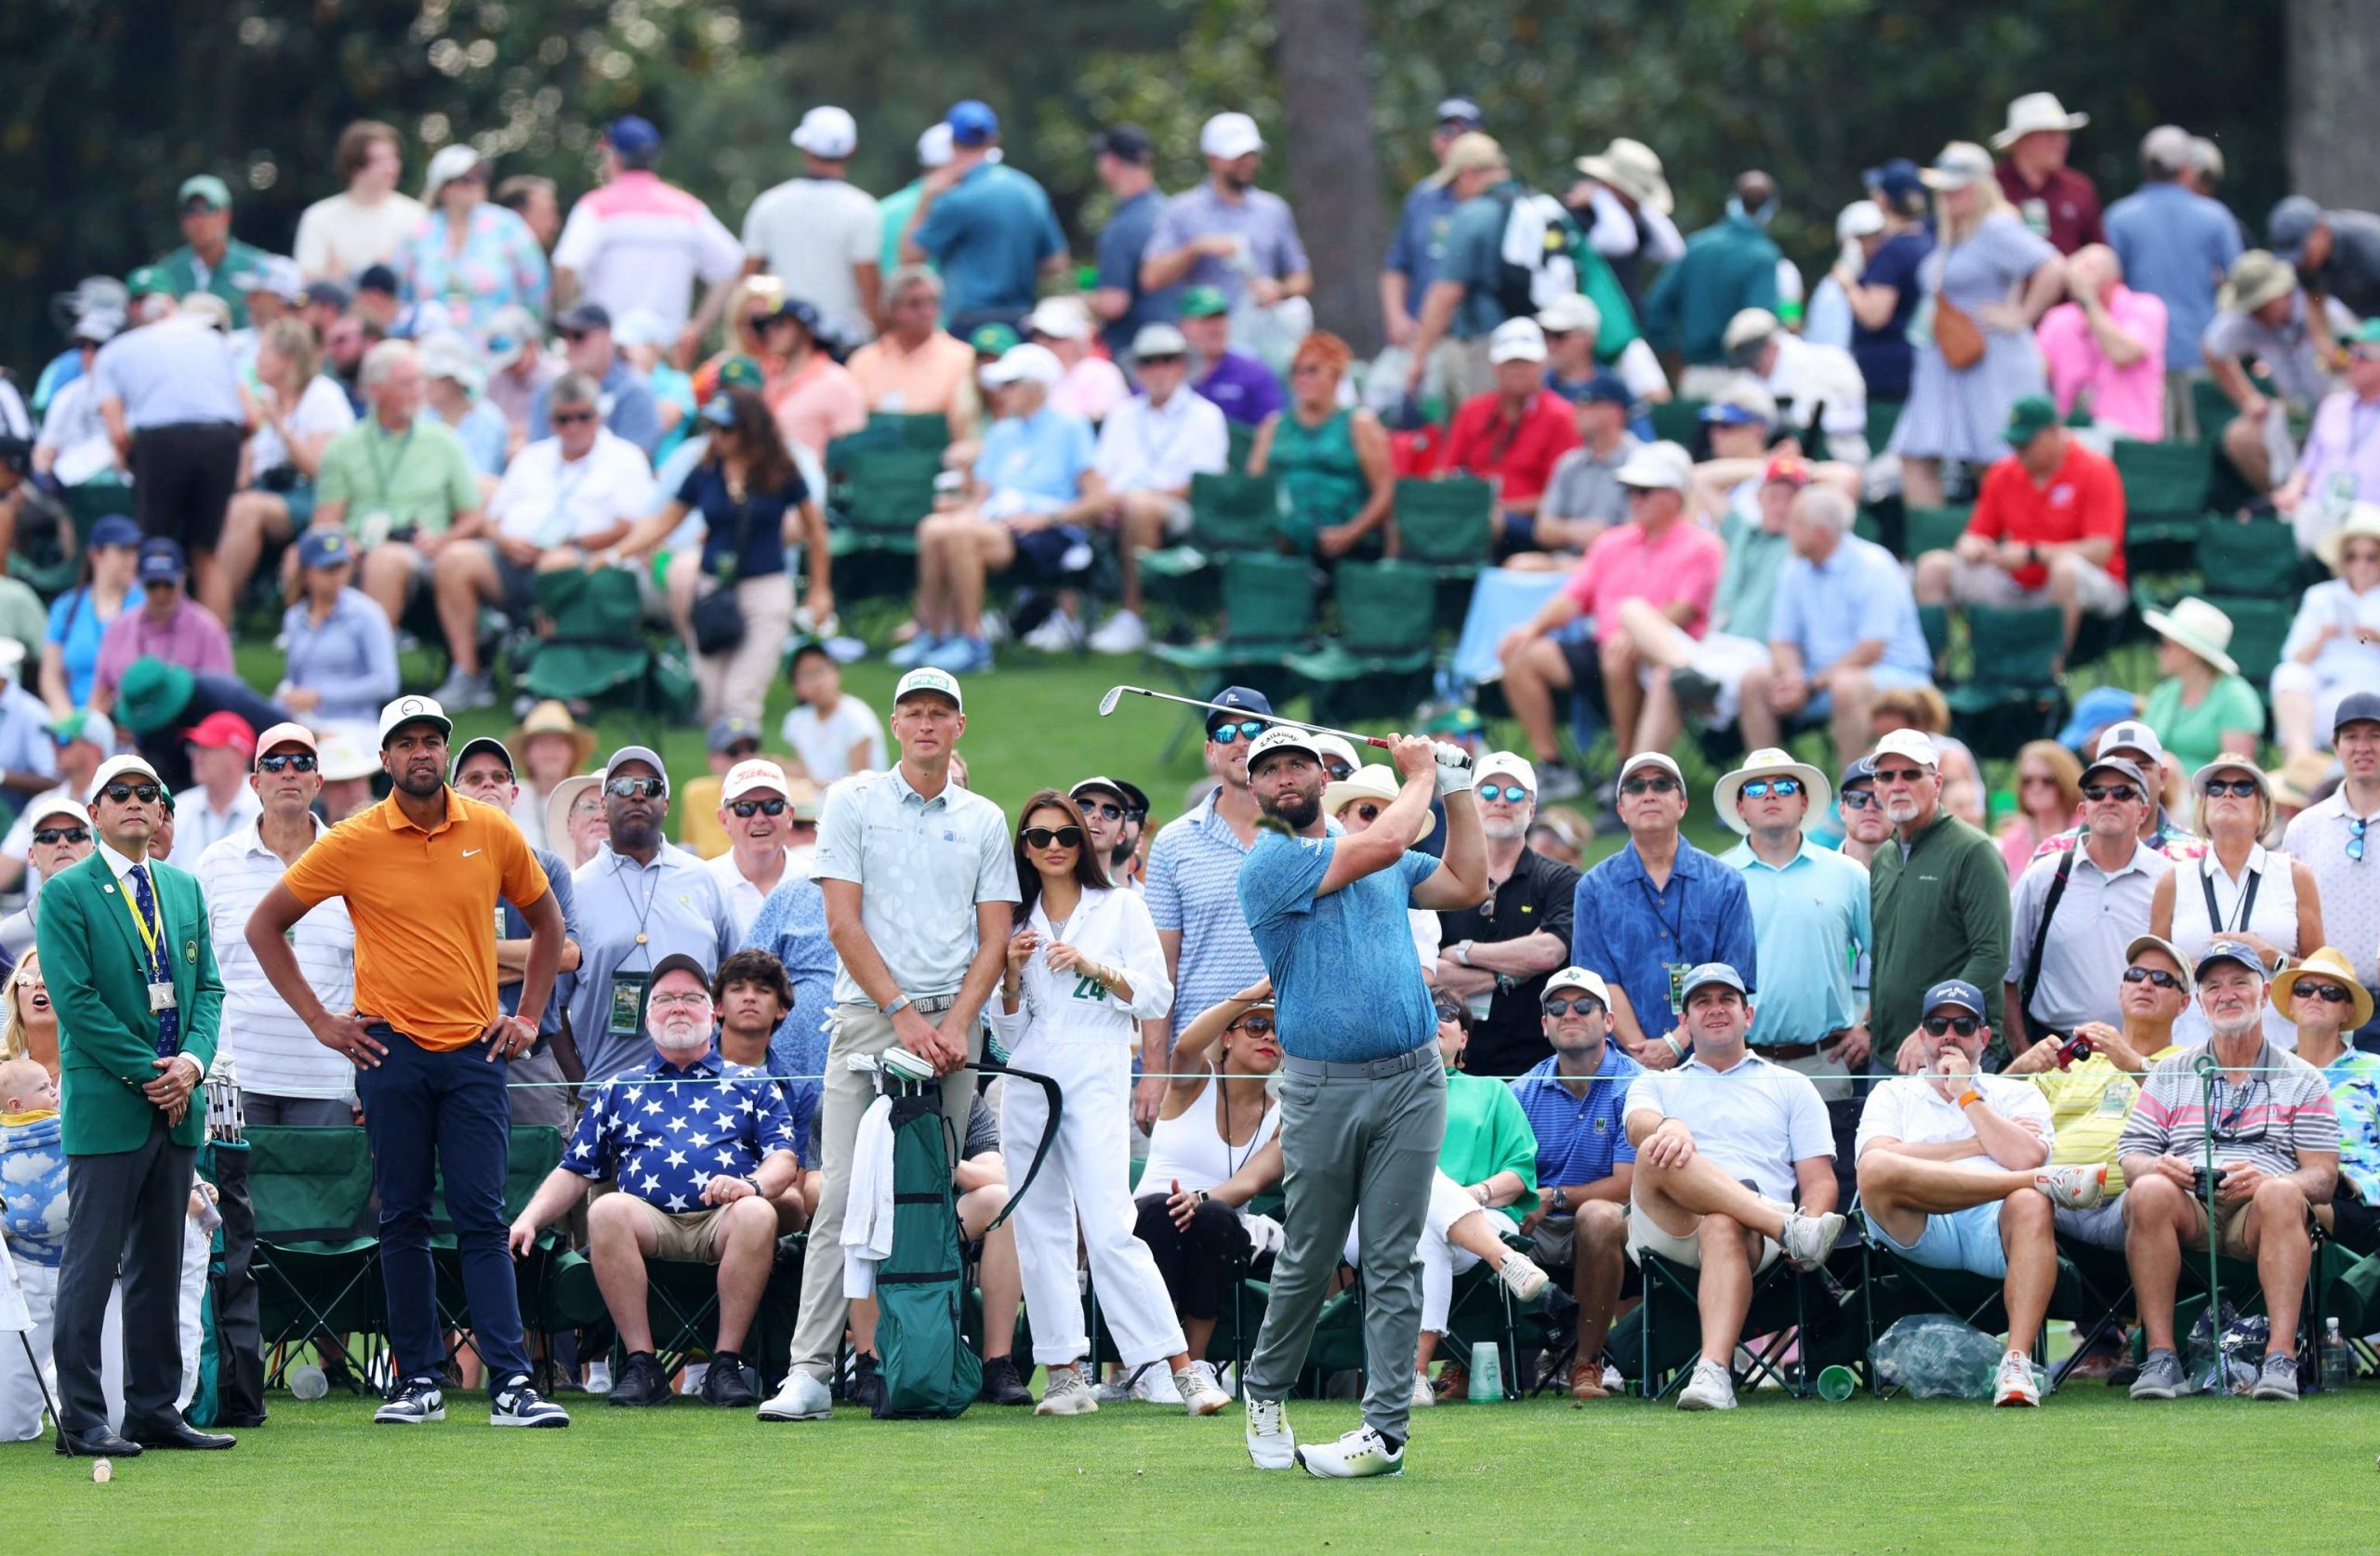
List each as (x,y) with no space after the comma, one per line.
(2091,1472)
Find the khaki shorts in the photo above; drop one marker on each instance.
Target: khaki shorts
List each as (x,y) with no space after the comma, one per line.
(690,1236)
(1987,583)
(1646,1234)
(2230,1229)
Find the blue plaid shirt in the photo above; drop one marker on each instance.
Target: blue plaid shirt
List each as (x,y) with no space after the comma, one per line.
(1579,1140)
(661,1133)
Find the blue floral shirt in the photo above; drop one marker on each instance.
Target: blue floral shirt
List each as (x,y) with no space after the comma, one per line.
(500,264)
(792,928)
(33,1188)
(2354,1078)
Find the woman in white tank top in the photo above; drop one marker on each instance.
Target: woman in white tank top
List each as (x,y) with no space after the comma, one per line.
(2238,889)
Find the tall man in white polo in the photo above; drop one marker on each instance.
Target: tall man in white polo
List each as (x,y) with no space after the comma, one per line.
(920,884)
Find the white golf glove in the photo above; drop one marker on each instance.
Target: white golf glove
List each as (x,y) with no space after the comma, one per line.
(1264,1232)
(1454,768)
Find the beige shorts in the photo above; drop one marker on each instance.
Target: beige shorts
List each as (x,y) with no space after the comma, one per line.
(690,1236)
(2231,1228)
(1985,584)
(1646,1234)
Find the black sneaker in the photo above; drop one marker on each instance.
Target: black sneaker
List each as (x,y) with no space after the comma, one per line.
(641,1382)
(517,1405)
(868,1384)
(727,1384)
(1001,1385)
(413,1401)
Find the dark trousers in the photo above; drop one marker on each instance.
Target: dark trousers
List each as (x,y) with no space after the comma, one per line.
(423,1112)
(1200,1263)
(312,1113)
(183,479)
(238,1331)
(125,1210)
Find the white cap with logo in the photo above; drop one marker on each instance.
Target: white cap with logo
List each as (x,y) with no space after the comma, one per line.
(1508,764)
(409,710)
(2131,734)
(1228,137)
(746,777)
(1581,978)
(1916,745)
(925,678)
(1283,737)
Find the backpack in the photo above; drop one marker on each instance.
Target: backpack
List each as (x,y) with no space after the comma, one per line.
(1535,263)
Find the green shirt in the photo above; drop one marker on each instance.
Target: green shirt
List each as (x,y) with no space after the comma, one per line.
(1320,473)
(1728,266)
(2195,734)
(1488,1133)
(420,476)
(1940,911)
(1748,579)
(177,272)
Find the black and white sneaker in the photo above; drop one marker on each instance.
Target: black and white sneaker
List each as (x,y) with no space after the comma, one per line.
(517,1404)
(413,1401)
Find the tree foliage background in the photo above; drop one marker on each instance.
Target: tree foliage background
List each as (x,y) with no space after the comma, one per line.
(105,105)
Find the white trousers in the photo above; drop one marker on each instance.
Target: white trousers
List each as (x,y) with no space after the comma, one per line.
(1086,1182)
(21,1389)
(1441,1261)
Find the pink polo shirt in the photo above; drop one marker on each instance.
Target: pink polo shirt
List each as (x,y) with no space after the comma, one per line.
(1682,565)
(819,403)
(2131,398)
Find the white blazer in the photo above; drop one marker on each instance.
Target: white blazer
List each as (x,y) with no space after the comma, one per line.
(1109,927)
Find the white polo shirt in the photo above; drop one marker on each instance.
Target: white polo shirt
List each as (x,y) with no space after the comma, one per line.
(1144,447)
(1756,1120)
(272,1050)
(549,501)
(1906,1108)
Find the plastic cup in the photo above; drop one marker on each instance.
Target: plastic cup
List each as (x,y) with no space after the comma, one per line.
(307,1382)
(1837,1383)
(1486,1372)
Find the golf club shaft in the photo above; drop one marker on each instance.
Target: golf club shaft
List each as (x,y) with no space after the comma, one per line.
(1268,717)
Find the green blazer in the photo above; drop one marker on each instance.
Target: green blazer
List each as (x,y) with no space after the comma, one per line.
(93,961)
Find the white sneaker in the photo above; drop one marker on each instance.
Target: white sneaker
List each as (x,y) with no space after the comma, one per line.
(802,1398)
(1060,634)
(1359,1453)
(1708,1389)
(1425,1395)
(1122,633)
(1065,1394)
(2016,1384)
(1270,1444)
(1155,1386)
(1200,1394)
(1520,1274)
(599,1378)
(2074,1188)
(1809,1239)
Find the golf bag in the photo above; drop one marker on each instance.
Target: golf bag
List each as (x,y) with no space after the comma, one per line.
(928,1368)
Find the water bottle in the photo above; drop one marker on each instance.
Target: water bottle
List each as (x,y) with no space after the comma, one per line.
(1486,1373)
(307,1382)
(2338,1362)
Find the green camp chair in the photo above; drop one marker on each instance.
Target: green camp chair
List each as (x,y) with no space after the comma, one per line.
(595,650)
(2013,694)
(1229,514)
(317,1262)
(2165,493)
(1655,1347)
(1379,665)
(1448,525)
(1268,611)
(1932,529)
(2239,557)
(1678,420)
(1242,442)
(883,495)
(2259,629)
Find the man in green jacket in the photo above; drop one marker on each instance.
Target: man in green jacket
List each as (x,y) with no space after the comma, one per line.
(1938,896)
(1728,266)
(131,974)
(210,258)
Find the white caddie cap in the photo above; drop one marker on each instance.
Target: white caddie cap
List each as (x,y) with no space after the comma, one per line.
(1517,341)
(757,773)
(925,677)
(1581,978)
(2131,734)
(116,767)
(1651,759)
(1025,364)
(827,132)
(1283,737)
(410,711)
(1508,764)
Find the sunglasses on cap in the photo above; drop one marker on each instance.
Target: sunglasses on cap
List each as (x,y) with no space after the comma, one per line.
(147,794)
(2157,976)
(287,761)
(1042,837)
(50,834)
(1511,791)
(1661,783)
(1246,728)
(1937,1026)
(636,788)
(746,809)
(1761,788)
(1585,1005)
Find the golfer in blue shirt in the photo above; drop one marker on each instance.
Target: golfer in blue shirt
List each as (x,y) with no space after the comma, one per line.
(1363,1088)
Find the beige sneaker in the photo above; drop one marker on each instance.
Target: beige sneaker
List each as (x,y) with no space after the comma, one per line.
(1201,1395)
(1065,1394)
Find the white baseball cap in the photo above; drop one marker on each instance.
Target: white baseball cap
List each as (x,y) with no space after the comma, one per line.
(407,710)
(1059,318)
(341,760)
(1332,745)
(1228,135)
(925,677)
(2131,734)
(1283,737)
(57,803)
(1517,341)
(1571,310)
(1657,467)
(1661,760)
(934,146)
(1581,978)
(117,767)
(644,754)
(1509,764)
(826,133)
(1916,745)
(746,777)
(1025,364)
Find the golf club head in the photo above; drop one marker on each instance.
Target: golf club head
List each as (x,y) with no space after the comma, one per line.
(1108,703)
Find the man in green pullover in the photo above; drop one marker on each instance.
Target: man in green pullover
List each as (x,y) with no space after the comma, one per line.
(1938,894)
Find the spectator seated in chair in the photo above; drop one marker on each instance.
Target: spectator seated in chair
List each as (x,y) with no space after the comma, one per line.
(698,1152)
(752,995)
(2328,1003)
(1512,435)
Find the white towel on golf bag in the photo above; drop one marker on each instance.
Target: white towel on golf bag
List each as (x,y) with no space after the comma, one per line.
(867,1213)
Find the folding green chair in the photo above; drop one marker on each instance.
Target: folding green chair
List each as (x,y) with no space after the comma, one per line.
(317,1262)
(1448,525)
(1678,421)
(2165,493)
(2248,557)
(1230,514)
(591,647)
(1932,529)
(2013,694)
(1242,442)
(1379,664)
(1268,611)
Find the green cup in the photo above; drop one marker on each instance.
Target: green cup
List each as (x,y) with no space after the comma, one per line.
(1837,1384)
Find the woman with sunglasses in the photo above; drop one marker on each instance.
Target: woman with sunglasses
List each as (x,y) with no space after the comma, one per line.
(1084,971)
(2049,794)
(2328,1003)
(2238,889)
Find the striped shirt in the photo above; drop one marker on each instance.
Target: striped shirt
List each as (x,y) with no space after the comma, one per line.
(274,1050)
(638,243)
(1193,891)
(2280,1111)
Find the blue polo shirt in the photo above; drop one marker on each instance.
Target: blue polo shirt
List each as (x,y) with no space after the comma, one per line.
(1345,982)
(988,235)
(515,925)
(1632,934)
(629,917)
(1193,891)
(1420,243)
(1858,595)
(1579,1140)
(661,1133)
(1042,456)
(1118,255)
(1810,920)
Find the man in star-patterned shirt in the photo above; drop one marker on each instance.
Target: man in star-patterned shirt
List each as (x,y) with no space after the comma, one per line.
(697,1149)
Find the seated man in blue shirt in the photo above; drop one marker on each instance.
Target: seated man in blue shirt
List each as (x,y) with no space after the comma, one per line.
(698,1150)
(1574,1101)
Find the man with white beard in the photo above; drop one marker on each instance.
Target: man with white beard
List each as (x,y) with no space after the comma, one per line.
(2266,1117)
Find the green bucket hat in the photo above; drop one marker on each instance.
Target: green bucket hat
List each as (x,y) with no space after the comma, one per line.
(145,281)
(2029,418)
(993,340)
(152,695)
(741,371)
(1204,302)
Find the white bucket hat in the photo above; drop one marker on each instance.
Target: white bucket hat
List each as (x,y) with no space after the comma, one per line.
(2033,113)
(2201,628)
(1769,762)
(1630,167)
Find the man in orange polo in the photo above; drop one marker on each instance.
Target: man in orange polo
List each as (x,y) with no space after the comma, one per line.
(421,874)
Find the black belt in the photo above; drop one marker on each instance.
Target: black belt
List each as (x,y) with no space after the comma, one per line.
(1784,1053)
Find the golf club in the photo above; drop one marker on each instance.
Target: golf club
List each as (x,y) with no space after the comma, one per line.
(1116,694)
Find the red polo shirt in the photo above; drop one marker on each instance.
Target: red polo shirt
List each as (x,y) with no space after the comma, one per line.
(2081,498)
(2067,200)
(1519,455)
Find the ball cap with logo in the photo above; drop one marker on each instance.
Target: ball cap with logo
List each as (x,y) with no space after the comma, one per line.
(412,710)
(288,733)
(1577,978)
(644,754)
(1958,993)
(126,766)
(925,680)
(1508,764)
(1708,972)
(2228,950)
(1282,737)
(749,777)
(1916,745)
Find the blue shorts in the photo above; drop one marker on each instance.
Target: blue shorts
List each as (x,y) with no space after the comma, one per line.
(1966,1240)
(1887,678)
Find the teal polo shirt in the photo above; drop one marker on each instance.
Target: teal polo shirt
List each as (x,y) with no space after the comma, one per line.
(988,235)
(1811,922)
(178,274)
(1726,267)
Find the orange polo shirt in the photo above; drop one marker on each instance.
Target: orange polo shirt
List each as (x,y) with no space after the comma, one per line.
(424,907)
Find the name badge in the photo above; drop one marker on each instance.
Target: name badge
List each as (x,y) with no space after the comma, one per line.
(627,1015)
(1677,985)
(161,998)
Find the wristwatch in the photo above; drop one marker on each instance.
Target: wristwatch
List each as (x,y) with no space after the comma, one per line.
(1560,1200)
(1461,953)
(900,1003)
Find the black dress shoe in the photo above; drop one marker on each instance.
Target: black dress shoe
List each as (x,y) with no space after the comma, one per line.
(181,1434)
(98,1443)
(238,1422)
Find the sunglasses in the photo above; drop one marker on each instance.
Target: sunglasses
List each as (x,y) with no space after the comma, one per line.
(146,793)
(2235,788)
(1338,770)
(748,807)
(2036,780)
(2157,976)
(1368,811)
(637,789)
(287,762)
(1104,810)
(1224,734)
(50,834)
(1042,837)
(2355,839)
(1937,1026)
(2328,994)
(1511,791)
(1649,785)
(1904,775)
(1255,1026)
(1761,788)
(2226,1124)
(2095,793)
(1858,799)
(573,337)
(1585,1004)
(572,418)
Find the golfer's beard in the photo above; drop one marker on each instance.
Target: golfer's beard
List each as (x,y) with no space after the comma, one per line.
(421,785)
(1300,810)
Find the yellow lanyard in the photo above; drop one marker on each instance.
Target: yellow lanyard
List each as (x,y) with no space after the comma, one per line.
(149,938)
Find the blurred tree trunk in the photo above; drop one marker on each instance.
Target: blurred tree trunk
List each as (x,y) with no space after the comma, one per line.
(1334,162)
(2334,115)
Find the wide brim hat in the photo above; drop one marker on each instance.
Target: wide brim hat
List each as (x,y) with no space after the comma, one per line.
(152,695)
(2325,962)
(1635,169)
(558,806)
(1376,781)
(2362,523)
(552,716)
(2033,114)
(2198,626)
(1770,762)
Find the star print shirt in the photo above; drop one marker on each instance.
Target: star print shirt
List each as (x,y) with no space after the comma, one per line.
(661,1133)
